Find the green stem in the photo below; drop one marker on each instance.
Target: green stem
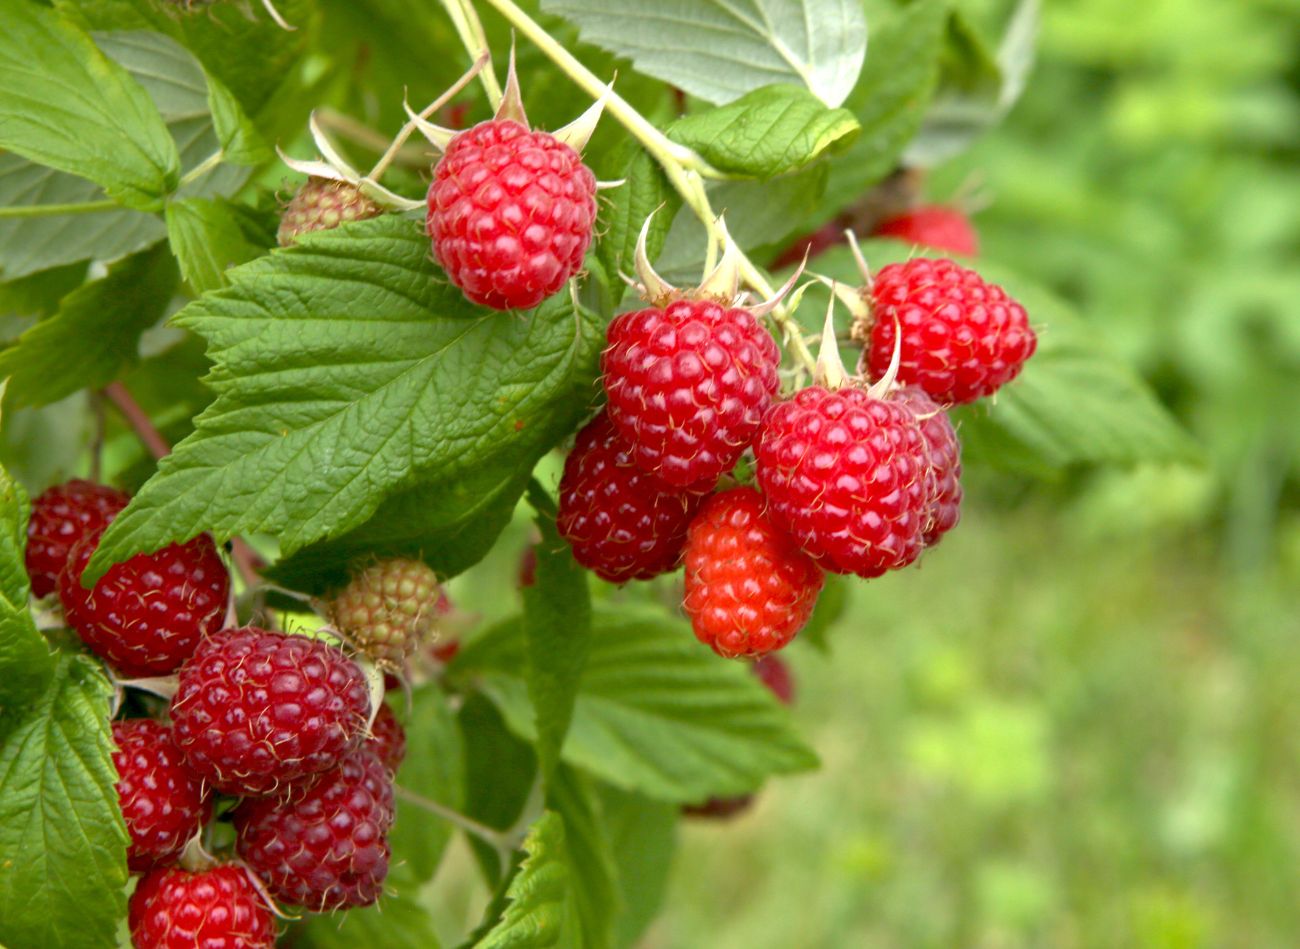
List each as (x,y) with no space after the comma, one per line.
(50,210)
(498,841)
(201,169)
(684,168)
(472,37)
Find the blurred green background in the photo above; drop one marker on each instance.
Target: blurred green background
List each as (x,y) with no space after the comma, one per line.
(1076,724)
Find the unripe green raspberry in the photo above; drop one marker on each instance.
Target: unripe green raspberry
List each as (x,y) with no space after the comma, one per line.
(321,204)
(388,609)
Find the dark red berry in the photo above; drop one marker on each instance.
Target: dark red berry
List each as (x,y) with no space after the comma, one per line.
(945,463)
(774,673)
(257,709)
(622,523)
(327,847)
(719,808)
(219,908)
(510,214)
(163,802)
(688,385)
(749,588)
(962,338)
(146,615)
(387,739)
(61,516)
(936,226)
(846,475)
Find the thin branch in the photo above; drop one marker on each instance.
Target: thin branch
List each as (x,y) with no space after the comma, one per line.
(47,210)
(500,842)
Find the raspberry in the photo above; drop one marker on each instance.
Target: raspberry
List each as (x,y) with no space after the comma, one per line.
(749,588)
(387,739)
(622,523)
(945,463)
(321,204)
(147,615)
(846,474)
(446,650)
(941,228)
(219,908)
(163,803)
(255,709)
(510,214)
(962,338)
(688,384)
(774,674)
(61,515)
(388,609)
(328,848)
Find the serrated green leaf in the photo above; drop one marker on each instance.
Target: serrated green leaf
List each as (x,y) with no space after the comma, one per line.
(38,294)
(241,144)
(720,49)
(206,238)
(398,921)
(557,627)
(345,370)
(593,874)
(63,875)
(434,769)
(642,837)
(889,100)
(539,912)
(94,333)
(69,107)
(645,191)
(655,711)
(25,661)
(768,132)
(499,773)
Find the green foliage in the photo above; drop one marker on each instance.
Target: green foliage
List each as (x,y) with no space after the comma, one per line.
(23,655)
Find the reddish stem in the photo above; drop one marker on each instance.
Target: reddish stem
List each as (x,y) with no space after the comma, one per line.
(246,560)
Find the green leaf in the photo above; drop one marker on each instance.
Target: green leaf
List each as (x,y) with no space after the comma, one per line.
(593,873)
(241,143)
(655,711)
(720,49)
(831,604)
(207,240)
(25,661)
(767,132)
(94,333)
(645,191)
(435,769)
(346,369)
(889,100)
(38,294)
(63,876)
(499,771)
(398,921)
(557,626)
(539,912)
(642,837)
(69,107)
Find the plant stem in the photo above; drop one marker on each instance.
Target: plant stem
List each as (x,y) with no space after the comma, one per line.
(472,37)
(497,840)
(684,168)
(245,558)
(201,169)
(49,210)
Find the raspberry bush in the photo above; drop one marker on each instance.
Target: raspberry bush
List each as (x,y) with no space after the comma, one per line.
(318,334)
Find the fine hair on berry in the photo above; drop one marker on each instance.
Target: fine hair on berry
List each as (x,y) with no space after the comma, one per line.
(217,908)
(163,802)
(61,516)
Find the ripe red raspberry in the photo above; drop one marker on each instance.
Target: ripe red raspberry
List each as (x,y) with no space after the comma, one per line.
(387,739)
(775,674)
(622,523)
(962,338)
(219,908)
(510,214)
(163,803)
(326,848)
(388,609)
(321,204)
(749,588)
(936,226)
(147,615)
(688,385)
(256,709)
(945,463)
(846,474)
(61,516)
